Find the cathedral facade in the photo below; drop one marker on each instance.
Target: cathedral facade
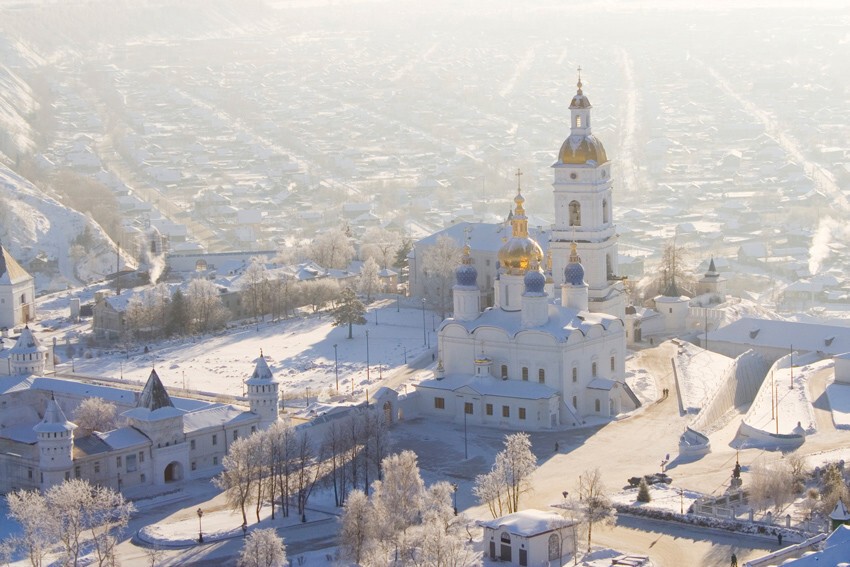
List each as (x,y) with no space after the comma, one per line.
(551,351)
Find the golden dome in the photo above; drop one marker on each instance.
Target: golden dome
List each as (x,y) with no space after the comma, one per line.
(582,149)
(520,251)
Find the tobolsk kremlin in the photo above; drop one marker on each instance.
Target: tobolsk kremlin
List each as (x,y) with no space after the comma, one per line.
(376,293)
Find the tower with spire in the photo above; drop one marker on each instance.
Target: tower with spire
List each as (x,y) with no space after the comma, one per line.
(465,294)
(574,289)
(263,393)
(55,443)
(28,355)
(583,211)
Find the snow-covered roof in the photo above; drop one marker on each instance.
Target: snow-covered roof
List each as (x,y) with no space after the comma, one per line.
(836,549)
(54,420)
(9,384)
(561,323)
(262,373)
(828,339)
(83,390)
(123,438)
(601,384)
(27,343)
(528,523)
(491,386)
(10,271)
(216,416)
(484,237)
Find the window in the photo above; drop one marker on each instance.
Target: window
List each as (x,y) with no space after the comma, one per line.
(77,472)
(215,439)
(504,371)
(467,408)
(541,376)
(613,363)
(141,456)
(194,465)
(506,411)
(440,403)
(29,474)
(522,413)
(598,406)
(578,121)
(605,211)
(96,468)
(488,409)
(671,309)
(554,547)
(192,444)
(235,434)
(142,477)
(254,428)
(575,403)
(575,374)
(525,373)
(131,463)
(118,461)
(575,213)
(215,460)
(593,369)
(67,476)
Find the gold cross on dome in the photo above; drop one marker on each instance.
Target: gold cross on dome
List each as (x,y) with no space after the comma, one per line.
(518,175)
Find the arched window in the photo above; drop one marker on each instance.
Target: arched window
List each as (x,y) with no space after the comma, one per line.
(23,298)
(613,363)
(575,213)
(609,266)
(575,374)
(505,537)
(201,266)
(525,373)
(575,403)
(504,371)
(541,376)
(593,369)
(554,547)
(605,211)
(598,406)
(578,121)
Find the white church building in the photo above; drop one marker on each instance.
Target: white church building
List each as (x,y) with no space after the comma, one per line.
(551,351)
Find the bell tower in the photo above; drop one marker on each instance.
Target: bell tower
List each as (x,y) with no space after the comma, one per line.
(583,211)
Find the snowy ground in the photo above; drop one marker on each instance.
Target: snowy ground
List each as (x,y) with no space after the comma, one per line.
(662,497)
(839,401)
(783,401)
(701,373)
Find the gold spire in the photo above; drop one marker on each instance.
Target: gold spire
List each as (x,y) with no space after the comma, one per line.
(579,80)
(519,222)
(574,258)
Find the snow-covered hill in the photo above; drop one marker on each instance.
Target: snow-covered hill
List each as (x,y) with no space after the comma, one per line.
(32,223)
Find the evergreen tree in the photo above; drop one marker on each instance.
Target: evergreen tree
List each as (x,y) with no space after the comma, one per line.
(643,491)
(179,318)
(350,311)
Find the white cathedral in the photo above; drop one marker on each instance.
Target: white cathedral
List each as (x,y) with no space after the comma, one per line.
(551,351)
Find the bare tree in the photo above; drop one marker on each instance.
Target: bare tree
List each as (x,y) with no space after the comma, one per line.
(438,266)
(595,506)
(370,281)
(106,515)
(332,249)
(308,470)
(205,306)
(95,414)
(256,289)
(263,548)
(671,277)
(282,446)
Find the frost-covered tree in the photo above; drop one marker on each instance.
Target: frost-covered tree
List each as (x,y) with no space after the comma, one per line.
(239,473)
(380,244)
(282,448)
(332,249)
(502,487)
(370,281)
(438,267)
(256,289)
(179,320)
(357,528)
(317,293)
(95,414)
(146,314)
(263,548)
(594,504)
(398,501)
(29,509)
(350,311)
(205,306)
(643,494)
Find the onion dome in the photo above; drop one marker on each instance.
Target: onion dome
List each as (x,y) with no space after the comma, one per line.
(574,272)
(518,253)
(581,146)
(466,275)
(534,282)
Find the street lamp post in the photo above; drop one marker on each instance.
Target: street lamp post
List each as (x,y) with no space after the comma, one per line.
(465,450)
(308,395)
(54,356)
(367,357)
(454,490)
(397,303)
(200,529)
(336,369)
(405,354)
(376,316)
(424,330)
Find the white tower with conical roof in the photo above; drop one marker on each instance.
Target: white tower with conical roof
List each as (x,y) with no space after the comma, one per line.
(583,211)
(55,445)
(263,393)
(28,355)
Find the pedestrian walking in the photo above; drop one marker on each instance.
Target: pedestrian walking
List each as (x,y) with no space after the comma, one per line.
(734,560)
(779,539)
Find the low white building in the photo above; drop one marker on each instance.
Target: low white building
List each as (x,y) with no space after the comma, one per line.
(530,537)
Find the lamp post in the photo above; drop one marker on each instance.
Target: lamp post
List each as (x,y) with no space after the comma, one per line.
(376,316)
(405,354)
(454,491)
(367,357)
(465,450)
(200,529)
(681,501)
(54,356)
(308,395)
(397,303)
(424,330)
(336,369)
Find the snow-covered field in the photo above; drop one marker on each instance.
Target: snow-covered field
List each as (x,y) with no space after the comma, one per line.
(783,400)
(839,401)
(700,374)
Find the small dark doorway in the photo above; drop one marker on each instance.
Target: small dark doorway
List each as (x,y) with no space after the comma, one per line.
(173,472)
(506,547)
